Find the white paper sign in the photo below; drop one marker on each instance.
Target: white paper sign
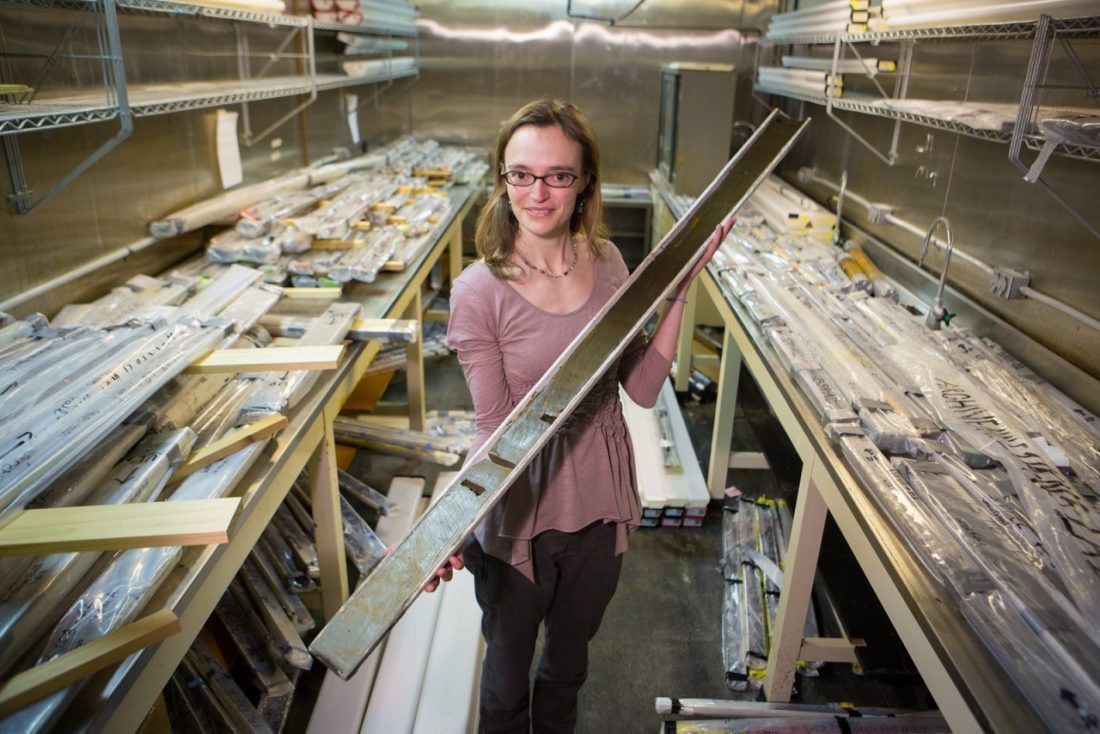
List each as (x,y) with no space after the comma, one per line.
(229,150)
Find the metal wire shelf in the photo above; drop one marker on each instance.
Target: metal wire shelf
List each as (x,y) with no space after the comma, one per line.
(977,32)
(862,105)
(151,100)
(192,10)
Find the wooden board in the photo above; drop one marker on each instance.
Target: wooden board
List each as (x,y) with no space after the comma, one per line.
(333,245)
(393,702)
(451,677)
(397,580)
(115,527)
(271,359)
(64,670)
(230,443)
(327,294)
(341,704)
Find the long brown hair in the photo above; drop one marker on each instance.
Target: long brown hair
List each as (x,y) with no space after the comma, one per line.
(497,226)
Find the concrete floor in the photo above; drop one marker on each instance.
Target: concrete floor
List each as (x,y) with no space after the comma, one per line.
(662,635)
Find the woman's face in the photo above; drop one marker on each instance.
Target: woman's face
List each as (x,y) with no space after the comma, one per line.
(541,210)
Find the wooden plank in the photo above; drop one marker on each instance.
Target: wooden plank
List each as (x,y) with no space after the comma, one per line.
(724,412)
(64,670)
(329,526)
(448,697)
(230,443)
(798,581)
(414,369)
(398,578)
(333,245)
(115,527)
(271,359)
(830,649)
(341,704)
(329,294)
(393,702)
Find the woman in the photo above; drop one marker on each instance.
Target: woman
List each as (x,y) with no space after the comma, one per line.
(551,550)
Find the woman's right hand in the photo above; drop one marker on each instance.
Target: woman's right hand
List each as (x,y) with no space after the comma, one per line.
(445,572)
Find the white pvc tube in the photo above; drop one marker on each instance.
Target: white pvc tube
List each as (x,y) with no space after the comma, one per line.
(997,13)
(868,65)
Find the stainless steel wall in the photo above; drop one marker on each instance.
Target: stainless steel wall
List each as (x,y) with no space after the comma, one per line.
(481,60)
(168,162)
(996,216)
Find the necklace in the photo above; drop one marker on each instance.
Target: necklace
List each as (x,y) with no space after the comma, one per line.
(547,273)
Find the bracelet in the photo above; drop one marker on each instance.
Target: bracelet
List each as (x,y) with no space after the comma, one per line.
(677,299)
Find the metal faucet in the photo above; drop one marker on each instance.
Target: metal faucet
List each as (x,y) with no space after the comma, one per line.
(938,313)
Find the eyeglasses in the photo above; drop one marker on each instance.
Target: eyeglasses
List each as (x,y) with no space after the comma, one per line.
(555,179)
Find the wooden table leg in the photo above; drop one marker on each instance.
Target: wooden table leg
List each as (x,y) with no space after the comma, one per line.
(728,378)
(414,368)
(329,527)
(798,580)
(684,346)
(454,253)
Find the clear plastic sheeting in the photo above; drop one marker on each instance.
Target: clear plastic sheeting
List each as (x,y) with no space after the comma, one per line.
(135,300)
(364,548)
(72,487)
(33,588)
(119,593)
(999,490)
(366,494)
(231,246)
(279,391)
(222,291)
(1083,129)
(39,444)
(334,220)
(257,219)
(364,262)
(1064,512)
(19,330)
(247,309)
(753,549)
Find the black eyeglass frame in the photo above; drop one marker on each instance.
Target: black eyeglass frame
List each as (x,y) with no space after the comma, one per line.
(544,178)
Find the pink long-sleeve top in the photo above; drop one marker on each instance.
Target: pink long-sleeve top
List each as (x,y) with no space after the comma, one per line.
(585,472)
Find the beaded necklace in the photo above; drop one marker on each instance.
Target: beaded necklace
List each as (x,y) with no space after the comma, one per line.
(547,273)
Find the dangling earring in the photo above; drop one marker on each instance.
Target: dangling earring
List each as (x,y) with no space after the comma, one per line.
(580,207)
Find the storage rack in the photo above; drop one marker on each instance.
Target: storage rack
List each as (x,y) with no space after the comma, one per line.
(971,689)
(121,101)
(1080,27)
(117,700)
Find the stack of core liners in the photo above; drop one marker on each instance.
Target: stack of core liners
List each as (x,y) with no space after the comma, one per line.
(255,6)
(987,472)
(671,486)
(788,211)
(378,218)
(755,535)
(907,14)
(869,65)
(208,406)
(840,16)
(376,67)
(806,82)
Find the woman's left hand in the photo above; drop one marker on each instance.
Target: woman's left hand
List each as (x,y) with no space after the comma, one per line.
(716,240)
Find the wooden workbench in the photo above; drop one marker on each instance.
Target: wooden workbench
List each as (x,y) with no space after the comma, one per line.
(971,688)
(118,700)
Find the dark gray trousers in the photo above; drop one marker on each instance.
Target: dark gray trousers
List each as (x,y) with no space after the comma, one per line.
(576,575)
